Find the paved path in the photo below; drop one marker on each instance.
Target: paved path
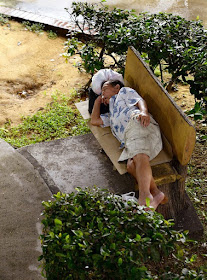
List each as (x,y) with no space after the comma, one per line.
(21,193)
(30,175)
(75,162)
(50,8)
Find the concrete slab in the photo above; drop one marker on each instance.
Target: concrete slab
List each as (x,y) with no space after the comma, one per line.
(49,8)
(76,162)
(18,14)
(65,164)
(21,193)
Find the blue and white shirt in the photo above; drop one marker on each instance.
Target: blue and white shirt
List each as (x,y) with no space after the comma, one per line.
(121,107)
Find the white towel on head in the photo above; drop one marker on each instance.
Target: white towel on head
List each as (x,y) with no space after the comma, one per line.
(102,76)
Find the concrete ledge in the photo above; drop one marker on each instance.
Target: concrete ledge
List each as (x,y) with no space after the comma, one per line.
(76,162)
(22,191)
(61,25)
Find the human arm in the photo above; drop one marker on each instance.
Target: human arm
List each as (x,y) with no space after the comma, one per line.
(144,116)
(95,115)
(132,98)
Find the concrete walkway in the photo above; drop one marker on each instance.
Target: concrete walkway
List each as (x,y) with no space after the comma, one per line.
(30,175)
(65,164)
(21,192)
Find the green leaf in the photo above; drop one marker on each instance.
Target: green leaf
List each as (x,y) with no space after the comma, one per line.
(78,233)
(120,261)
(81,245)
(147,202)
(60,255)
(40,258)
(67,238)
(193,258)
(52,234)
(58,222)
(138,237)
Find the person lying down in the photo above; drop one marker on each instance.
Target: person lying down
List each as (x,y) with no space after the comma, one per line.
(136,130)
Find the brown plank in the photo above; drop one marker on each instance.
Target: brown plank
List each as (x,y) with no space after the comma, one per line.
(173,122)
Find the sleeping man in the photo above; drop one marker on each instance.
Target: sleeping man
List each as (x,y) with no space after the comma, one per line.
(136,130)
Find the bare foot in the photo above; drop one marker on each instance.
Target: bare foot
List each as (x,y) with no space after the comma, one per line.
(143,197)
(157,199)
(165,200)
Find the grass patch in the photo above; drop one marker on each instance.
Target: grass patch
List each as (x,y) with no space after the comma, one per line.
(196,184)
(60,119)
(196,187)
(51,34)
(33,27)
(4,19)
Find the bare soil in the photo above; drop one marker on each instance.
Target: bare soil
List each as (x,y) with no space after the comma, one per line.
(31,70)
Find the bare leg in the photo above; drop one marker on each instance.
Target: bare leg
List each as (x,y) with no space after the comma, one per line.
(157,194)
(140,168)
(143,175)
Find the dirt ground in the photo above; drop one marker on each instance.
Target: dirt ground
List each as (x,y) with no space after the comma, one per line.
(31,70)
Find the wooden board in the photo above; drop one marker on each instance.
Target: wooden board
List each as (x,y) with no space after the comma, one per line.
(173,123)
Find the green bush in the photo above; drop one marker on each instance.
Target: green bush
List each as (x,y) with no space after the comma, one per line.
(92,235)
(167,41)
(4,19)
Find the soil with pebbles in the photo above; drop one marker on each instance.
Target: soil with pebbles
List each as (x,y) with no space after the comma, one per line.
(31,70)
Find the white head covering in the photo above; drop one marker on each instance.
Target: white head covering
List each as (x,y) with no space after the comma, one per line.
(102,76)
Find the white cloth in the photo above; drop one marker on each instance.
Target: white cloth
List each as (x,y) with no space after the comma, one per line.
(139,139)
(102,76)
(121,107)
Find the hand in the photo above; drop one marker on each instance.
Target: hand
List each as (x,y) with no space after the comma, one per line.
(105,100)
(99,100)
(144,119)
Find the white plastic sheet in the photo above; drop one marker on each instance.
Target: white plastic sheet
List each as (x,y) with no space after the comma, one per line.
(102,76)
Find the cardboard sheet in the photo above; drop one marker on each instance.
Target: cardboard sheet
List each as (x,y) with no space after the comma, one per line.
(83,109)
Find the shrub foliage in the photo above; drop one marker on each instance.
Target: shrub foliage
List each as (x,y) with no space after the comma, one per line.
(91,234)
(166,41)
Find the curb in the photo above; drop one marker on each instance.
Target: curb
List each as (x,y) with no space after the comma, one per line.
(63,26)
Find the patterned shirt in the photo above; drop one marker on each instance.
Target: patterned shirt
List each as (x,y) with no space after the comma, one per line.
(121,107)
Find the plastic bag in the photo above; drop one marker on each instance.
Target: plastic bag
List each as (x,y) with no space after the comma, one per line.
(129,197)
(102,76)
